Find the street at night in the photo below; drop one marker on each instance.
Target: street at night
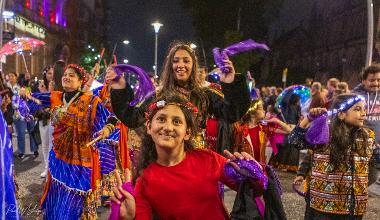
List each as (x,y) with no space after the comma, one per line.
(190,109)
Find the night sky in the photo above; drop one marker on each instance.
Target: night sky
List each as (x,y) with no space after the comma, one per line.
(131,19)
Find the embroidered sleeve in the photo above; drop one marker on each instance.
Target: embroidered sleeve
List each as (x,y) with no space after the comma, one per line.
(249,170)
(45,102)
(106,150)
(297,139)
(96,92)
(235,102)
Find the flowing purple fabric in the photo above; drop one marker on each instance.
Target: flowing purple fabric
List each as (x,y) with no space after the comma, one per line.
(21,109)
(243,46)
(250,169)
(145,87)
(8,202)
(319,131)
(115,208)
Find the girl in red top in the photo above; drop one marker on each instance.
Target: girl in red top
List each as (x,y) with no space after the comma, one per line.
(176,181)
(254,132)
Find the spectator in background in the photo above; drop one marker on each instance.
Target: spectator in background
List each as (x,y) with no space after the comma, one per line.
(20,124)
(332,84)
(271,100)
(6,103)
(342,88)
(45,128)
(58,69)
(369,89)
(317,100)
(308,82)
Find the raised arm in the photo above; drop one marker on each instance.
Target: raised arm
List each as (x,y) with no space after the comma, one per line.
(236,95)
(235,102)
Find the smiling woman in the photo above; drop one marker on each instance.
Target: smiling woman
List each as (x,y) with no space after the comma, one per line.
(179,75)
(74,168)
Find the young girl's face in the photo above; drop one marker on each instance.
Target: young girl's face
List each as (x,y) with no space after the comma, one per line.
(168,128)
(355,115)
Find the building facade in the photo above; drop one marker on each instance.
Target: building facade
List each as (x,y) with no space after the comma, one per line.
(323,39)
(66,27)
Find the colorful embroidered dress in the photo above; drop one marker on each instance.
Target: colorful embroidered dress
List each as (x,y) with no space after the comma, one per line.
(340,190)
(121,132)
(74,169)
(119,138)
(8,202)
(252,140)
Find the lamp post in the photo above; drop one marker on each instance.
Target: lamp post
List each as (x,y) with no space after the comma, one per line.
(193,46)
(370,33)
(156,26)
(2,6)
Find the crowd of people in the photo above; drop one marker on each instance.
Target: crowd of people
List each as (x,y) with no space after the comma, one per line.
(170,155)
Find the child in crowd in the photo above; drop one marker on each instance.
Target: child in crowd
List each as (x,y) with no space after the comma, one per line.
(339,168)
(177,181)
(254,132)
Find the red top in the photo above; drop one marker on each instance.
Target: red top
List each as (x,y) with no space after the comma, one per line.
(188,190)
(255,138)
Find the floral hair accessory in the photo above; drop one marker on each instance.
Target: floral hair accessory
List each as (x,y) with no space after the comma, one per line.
(162,103)
(78,69)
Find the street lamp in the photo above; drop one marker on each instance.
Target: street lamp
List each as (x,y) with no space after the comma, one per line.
(125,61)
(156,26)
(370,28)
(193,46)
(126,42)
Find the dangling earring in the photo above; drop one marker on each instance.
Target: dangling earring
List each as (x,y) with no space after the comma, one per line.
(80,88)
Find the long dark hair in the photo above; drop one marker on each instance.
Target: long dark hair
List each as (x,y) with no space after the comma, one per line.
(148,153)
(59,69)
(344,135)
(44,73)
(168,82)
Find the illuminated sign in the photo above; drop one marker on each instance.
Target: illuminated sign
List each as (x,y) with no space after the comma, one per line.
(26,25)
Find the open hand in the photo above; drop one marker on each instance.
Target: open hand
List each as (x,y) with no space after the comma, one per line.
(241,156)
(298,180)
(317,111)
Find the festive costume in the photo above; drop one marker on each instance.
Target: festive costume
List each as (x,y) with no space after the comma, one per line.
(8,202)
(252,140)
(336,191)
(121,132)
(230,108)
(218,132)
(120,139)
(189,190)
(71,191)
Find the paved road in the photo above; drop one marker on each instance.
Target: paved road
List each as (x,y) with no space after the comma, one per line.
(31,187)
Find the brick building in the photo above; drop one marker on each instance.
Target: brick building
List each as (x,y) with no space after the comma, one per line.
(321,39)
(66,26)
